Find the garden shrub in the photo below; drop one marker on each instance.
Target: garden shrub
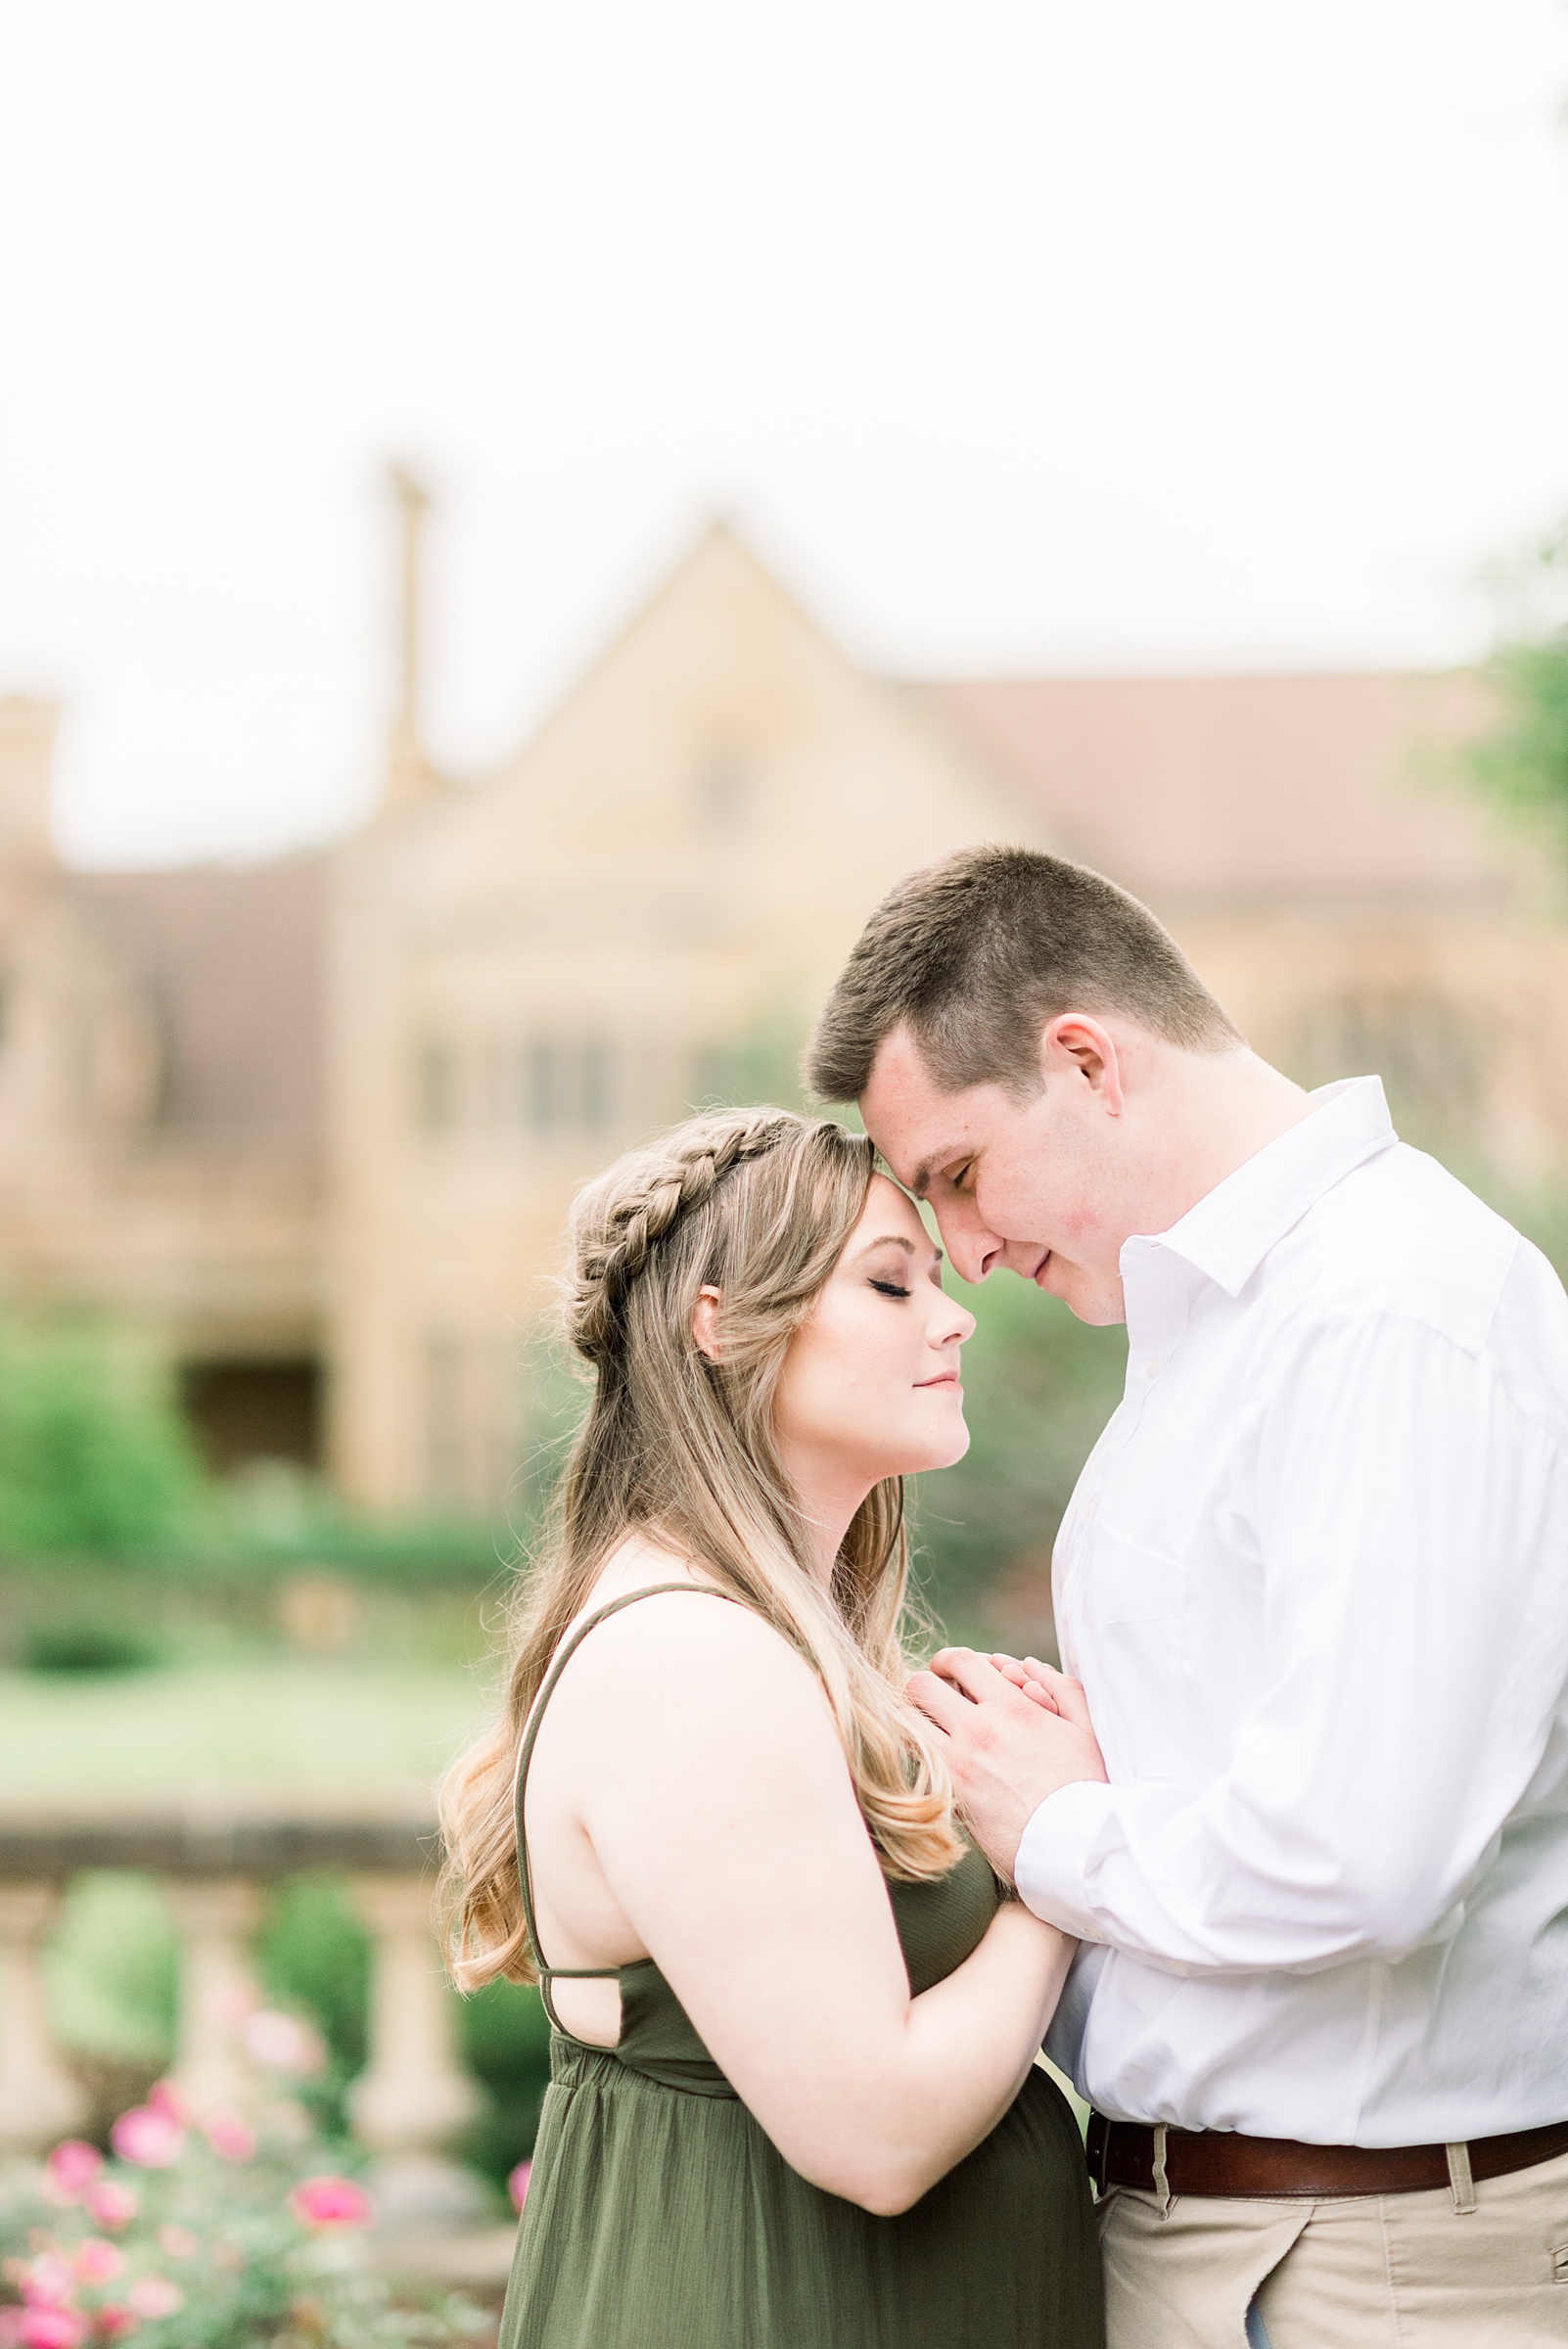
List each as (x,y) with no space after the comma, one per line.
(95,1460)
(221,2236)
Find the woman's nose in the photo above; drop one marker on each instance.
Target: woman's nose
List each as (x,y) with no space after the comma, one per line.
(955,1323)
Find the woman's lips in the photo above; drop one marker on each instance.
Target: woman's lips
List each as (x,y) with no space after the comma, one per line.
(948,1378)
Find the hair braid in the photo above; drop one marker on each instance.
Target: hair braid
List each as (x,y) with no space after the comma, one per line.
(619,1219)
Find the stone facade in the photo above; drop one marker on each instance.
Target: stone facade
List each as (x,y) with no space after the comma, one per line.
(316,1124)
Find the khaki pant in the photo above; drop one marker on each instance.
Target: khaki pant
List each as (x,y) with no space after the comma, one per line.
(1379,2271)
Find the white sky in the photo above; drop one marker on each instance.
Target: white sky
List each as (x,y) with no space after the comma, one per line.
(1019,335)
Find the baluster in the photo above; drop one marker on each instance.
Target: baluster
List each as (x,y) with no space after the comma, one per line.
(40,2100)
(414,2093)
(217,1989)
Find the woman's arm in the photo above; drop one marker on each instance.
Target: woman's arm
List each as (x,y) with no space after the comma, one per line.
(706,1770)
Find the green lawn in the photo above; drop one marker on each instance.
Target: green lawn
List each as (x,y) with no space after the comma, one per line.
(249,1728)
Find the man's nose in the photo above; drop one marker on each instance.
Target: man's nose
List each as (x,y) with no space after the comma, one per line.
(972,1250)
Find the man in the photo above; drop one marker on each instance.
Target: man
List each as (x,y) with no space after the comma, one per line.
(1314,1584)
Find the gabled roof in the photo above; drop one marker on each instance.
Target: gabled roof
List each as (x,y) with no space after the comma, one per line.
(232,962)
(1223,791)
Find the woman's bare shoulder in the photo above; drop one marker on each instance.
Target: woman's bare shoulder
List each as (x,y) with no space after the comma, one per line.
(696,1632)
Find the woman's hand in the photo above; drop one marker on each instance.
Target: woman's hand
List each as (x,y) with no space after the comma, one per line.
(1010,1746)
(1031,1676)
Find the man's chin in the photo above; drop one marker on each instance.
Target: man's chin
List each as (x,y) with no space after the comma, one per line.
(1085,1298)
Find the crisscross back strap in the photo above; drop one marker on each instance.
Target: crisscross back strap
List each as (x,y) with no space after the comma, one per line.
(558,1664)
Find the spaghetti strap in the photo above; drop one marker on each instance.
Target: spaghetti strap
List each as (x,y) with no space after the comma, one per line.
(558,1664)
(661,2216)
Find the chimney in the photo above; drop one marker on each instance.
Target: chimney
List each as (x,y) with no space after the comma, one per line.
(27,747)
(409,772)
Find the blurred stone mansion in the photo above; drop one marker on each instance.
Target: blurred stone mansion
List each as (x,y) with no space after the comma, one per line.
(316,1123)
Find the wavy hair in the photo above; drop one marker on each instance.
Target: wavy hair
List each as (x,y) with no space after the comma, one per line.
(758,1203)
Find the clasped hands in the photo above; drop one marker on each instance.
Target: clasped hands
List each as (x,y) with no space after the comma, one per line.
(1016,1731)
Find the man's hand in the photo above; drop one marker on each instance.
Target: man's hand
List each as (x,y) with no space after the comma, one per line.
(1015,1733)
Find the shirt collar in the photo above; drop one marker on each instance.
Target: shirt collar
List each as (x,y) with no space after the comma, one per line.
(1230,1230)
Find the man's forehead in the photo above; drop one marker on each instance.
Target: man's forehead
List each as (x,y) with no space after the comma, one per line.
(916,1127)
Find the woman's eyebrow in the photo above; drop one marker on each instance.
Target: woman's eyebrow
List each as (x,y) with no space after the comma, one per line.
(899,1240)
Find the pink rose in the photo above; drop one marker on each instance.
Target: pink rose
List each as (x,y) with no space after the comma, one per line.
(516,2185)
(323,2202)
(112,2321)
(71,2166)
(98,2262)
(167,2100)
(47,2281)
(108,2203)
(179,2242)
(153,2296)
(230,2137)
(282,2043)
(150,2139)
(51,2329)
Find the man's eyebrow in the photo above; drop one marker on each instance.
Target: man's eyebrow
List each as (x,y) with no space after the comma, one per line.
(927,1167)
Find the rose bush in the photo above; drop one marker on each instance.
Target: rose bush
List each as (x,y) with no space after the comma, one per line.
(205,2232)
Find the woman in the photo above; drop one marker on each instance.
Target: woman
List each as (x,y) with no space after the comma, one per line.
(792,2099)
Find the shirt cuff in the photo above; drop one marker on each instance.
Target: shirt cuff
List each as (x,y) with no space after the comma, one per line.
(1053,1864)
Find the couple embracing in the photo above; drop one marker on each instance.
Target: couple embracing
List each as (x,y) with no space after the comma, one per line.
(1277,1870)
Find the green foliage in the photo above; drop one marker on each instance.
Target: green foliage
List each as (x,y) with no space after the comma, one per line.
(1523,764)
(314,1957)
(208,2250)
(95,1459)
(276,1516)
(762,1063)
(506,2041)
(84,1644)
(1522,761)
(1039,1387)
(112,1968)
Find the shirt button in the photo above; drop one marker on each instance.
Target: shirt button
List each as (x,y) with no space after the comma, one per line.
(1152,1365)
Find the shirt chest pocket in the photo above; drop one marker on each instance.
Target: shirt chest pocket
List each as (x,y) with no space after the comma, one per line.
(1129,1583)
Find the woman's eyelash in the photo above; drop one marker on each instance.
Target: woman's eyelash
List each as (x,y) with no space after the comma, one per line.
(889,1288)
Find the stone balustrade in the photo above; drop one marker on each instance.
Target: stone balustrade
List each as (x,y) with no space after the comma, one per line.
(215,1870)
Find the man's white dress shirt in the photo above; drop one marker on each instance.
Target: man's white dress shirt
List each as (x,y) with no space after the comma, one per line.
(1315,1580)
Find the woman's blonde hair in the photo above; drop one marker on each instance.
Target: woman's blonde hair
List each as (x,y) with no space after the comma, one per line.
(759,1203)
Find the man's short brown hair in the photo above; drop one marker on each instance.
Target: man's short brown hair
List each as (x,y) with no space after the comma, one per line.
(975,954)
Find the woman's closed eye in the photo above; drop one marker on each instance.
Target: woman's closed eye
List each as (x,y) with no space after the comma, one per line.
(891,1288)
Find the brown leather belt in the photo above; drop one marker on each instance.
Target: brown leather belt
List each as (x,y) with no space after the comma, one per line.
(1214,2161)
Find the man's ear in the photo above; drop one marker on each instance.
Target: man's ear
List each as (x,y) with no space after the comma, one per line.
(1076,1046)
(705,1324)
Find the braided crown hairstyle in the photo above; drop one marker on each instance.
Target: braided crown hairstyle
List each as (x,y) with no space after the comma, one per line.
(756,1203)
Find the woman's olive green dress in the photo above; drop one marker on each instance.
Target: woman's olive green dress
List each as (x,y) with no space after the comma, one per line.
(660,2216)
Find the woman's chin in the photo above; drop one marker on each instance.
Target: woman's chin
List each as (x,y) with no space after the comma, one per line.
(940,1450)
